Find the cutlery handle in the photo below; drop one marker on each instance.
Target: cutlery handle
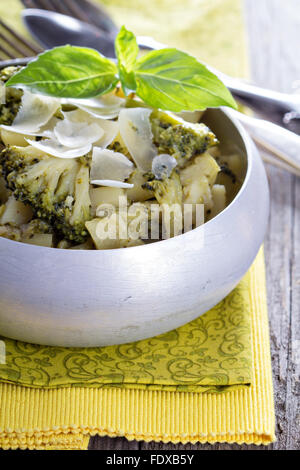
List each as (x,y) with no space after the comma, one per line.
(282,142)
(272,105)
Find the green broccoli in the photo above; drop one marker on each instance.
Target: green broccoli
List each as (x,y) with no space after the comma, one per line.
(56,189)
(166,191)
(118,146)
(13,96)
(181,139)
(35,226)
(25,232)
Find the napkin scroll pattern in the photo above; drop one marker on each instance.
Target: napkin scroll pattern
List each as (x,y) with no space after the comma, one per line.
(210,353)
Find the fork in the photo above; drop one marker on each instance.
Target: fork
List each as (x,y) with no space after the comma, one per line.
(13,45)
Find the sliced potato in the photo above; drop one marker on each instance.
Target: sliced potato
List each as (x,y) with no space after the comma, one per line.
(198,192)
(214,151)
(204,165)
(231,175)
(234,162)
(15,213)
(101,243)
(64,244)
(197,180)
(219,199)
(137,193)
(119,230)
(88,245)
(105,195)
(40,239)
(138,242)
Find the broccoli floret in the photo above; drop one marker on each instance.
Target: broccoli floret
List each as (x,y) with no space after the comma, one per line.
(181,139)
(35,226)
(166,191)
(118,145)
(25,231)
(56,189)
(9,109)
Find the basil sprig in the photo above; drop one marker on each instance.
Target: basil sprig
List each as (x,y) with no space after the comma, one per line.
(167,78)
(127,51)
(68,72)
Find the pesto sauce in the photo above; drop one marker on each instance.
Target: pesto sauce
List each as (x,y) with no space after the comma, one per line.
(166,191)
(180,139)
(9,109)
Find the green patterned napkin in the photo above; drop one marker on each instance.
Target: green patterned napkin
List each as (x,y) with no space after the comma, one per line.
(209,353)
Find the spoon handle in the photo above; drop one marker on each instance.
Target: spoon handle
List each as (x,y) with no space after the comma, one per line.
(272,105)
(281,142)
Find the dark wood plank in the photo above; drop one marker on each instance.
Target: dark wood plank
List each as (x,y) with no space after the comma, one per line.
(273,30)
(293,378)
(108,443)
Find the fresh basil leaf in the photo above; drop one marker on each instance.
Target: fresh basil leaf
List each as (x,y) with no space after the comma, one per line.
(68,72)
(126,51)
(173,80)
(127,80)
(126,48)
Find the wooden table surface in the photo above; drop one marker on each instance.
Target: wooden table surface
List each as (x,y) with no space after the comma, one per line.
(273,28)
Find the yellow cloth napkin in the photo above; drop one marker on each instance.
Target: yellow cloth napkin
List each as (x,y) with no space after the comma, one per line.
(49,402)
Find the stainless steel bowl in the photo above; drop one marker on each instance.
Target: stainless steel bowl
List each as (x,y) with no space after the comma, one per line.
(97,298)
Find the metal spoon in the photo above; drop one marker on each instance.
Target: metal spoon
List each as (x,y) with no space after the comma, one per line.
(53,29)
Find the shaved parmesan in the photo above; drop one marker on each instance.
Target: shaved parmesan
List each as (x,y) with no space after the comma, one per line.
(136,132)
(47,129)
(80,128)
(111,129)
(18,130)
(112,183)
(106,107)
(13,138)
(35,111)
(76,130)
(44,131)
(110,165)
(162,165)
(53,147)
